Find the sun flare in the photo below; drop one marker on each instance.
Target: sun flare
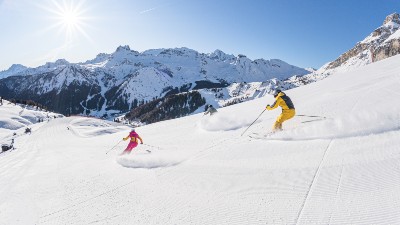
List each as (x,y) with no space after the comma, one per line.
(69,17)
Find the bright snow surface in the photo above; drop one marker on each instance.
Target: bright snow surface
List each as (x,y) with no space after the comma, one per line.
(341,170)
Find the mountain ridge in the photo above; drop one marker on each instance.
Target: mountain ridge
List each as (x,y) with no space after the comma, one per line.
(115,83)
(382,43)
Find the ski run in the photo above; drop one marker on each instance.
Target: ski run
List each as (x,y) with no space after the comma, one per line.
(342,169)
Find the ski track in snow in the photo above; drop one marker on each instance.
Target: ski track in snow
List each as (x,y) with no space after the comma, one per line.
(313,181)
(334,183)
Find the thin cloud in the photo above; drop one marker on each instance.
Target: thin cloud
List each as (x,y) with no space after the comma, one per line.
(148,10)
(160,6)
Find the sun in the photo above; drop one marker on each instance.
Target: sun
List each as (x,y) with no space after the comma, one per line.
(69,17)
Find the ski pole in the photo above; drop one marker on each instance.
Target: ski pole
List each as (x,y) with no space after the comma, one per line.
(114,146)
(253,122)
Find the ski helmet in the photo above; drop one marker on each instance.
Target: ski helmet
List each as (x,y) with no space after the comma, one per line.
(276,92)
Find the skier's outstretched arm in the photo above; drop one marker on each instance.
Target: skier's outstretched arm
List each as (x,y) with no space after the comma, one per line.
(141,140)
(275,105)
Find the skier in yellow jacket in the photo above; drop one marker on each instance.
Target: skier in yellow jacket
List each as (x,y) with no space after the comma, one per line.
(288,111)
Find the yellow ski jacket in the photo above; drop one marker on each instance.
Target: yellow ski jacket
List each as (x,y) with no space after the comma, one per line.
(283,101)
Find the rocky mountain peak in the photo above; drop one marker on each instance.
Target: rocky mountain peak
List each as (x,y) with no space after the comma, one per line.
(58,62)
(13,70)
(382,43)
(124,51)
(218,54)
(15,67)
(61,62)
(392,18)
(123,48)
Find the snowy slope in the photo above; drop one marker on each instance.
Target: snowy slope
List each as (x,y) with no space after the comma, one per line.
(341,170)
(17,117)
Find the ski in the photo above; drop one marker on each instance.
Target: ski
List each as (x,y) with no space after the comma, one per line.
(309,121)
(261,136)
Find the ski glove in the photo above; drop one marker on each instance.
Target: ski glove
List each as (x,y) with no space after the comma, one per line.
(124,138)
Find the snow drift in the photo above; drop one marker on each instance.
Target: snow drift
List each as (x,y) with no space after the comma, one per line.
(360,124)
(142,159)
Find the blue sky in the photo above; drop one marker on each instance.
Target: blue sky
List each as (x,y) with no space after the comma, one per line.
(305,33)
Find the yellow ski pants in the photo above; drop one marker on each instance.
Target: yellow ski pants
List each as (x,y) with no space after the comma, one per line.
(285,115)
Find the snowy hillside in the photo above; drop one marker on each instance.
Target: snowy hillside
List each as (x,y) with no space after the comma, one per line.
(340,170)
(16,117)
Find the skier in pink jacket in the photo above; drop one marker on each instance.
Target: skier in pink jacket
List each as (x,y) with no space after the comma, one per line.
(133,142)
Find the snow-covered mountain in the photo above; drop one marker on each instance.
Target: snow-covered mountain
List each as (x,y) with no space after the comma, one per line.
(382,43)
(13,70)
(118,82)
(341,168)
(191,102)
